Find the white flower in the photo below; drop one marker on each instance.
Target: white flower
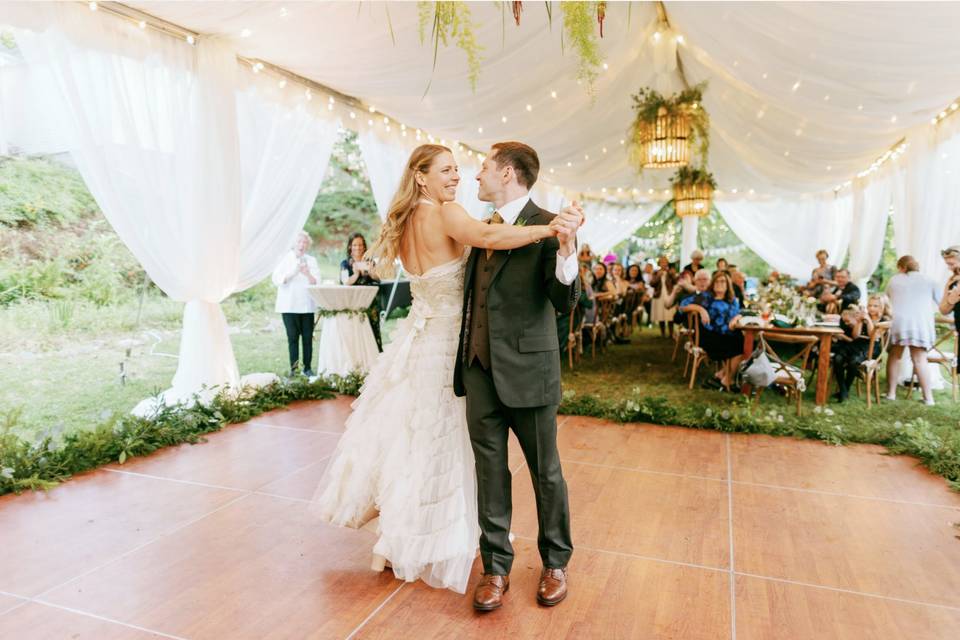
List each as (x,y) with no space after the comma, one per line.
(708,412)
(780,418)
(725,415)
(828,411)
(818,409)
(898,425)
(7,473)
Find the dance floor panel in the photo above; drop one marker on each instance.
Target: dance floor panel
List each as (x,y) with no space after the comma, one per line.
(679,533)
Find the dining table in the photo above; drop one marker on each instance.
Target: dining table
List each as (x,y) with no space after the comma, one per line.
(825,333)
(346,344)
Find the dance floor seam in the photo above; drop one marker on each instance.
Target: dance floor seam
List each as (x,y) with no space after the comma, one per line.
(241,558)
(733,566)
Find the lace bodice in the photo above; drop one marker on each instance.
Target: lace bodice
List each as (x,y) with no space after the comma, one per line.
(438,293)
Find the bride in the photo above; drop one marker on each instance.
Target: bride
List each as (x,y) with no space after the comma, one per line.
(406,452)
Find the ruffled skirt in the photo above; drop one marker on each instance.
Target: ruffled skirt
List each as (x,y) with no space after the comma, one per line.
(406,453)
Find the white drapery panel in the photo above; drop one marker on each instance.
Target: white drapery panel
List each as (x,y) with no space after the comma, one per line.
(385,157)
(285,148)
(926,215)
(788,234)
(872,197)
(155,133)
(608,224)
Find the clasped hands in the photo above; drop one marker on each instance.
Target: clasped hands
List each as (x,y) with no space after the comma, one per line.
(565,226)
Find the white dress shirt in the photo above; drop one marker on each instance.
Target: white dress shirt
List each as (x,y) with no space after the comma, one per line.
(292,294)
(567,268)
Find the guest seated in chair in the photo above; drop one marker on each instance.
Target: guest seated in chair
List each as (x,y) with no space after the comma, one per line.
(355,271)
(850,349)
(293,275)
(719,313)
(603,285)
(845,294)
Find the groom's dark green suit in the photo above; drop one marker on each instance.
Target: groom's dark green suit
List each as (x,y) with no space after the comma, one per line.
(508,366)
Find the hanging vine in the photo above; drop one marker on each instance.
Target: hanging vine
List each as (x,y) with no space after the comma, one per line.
(451,21)
(578,20)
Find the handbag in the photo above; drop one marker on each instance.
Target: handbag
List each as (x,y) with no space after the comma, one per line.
(757,370)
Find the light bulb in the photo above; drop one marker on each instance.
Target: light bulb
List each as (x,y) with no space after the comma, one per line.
(191,40)
(796,85)
(479,129)
(142,24)
(503,119)
(529,107)
(93,6)
(553,94)
(246,33)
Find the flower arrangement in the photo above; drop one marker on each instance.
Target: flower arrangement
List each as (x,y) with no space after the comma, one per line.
(451,21)
(787,305)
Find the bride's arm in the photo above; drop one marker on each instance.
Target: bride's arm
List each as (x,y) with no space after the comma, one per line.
(458,224)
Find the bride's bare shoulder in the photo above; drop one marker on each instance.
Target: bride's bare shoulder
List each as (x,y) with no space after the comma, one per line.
(453,207)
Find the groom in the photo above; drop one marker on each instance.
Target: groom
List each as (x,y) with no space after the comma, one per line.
(508,367)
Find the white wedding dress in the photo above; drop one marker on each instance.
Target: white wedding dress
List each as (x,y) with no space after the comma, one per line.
(406,450)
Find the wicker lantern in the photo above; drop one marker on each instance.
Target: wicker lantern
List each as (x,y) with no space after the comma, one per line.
(665,142)
(692,199)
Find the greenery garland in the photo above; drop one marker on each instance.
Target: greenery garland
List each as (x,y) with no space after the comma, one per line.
(578,26)
(53,458)
(451,21)
(330,313)
(647,104)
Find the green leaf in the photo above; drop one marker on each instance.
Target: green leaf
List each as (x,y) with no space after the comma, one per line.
(123,457)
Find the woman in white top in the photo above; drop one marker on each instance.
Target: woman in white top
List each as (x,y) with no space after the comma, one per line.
(293,275)
(913,298)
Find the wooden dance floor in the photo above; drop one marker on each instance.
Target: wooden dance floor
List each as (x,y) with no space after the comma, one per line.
(678,533)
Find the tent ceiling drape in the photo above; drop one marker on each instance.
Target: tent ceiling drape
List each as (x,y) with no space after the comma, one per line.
(802,95)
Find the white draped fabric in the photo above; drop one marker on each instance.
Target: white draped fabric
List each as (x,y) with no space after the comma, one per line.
(385,158)
(155,132)
(872,198)
(927,212)
(607,224)
(788,234)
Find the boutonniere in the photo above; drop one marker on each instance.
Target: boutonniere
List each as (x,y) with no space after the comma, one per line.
(521,222)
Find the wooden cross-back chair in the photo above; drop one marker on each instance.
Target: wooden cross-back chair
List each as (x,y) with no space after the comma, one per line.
(695,353)
(870,368)
(790,372)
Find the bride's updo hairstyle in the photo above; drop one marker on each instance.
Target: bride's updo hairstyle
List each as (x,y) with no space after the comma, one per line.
(404,202)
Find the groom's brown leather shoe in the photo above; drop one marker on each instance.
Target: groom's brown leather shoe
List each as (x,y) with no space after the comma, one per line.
(553,587)
(489,593)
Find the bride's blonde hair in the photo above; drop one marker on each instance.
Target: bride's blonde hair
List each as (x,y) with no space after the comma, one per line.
(404,202)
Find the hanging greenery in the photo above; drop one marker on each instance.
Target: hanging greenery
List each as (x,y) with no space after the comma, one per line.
(517,10)
(601,15)
(689,176)
(451,21)
(578,20)
(649,104)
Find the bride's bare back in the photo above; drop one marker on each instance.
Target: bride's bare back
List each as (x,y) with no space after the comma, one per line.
(425,244)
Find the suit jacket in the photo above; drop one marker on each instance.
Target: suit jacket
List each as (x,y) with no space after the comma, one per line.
(522,302)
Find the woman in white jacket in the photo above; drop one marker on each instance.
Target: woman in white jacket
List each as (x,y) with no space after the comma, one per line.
(293,275)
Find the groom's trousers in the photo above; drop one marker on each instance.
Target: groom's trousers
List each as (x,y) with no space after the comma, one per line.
(489,421)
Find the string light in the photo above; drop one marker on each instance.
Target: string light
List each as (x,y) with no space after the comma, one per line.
(92,5)
(796,85)
(246,33)
(353,115)
(604,150)
(479,129)
(191,40)
(372,109)
(553,94)
(529,107)
(503,119)
(142,24)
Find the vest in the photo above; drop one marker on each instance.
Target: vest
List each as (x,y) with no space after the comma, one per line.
(478,340)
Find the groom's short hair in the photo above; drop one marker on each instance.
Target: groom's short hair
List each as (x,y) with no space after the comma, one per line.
(522,158)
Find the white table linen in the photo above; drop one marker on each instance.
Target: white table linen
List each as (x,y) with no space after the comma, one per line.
(346,340)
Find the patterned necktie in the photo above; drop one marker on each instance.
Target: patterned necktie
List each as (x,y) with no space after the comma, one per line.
(496,218)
